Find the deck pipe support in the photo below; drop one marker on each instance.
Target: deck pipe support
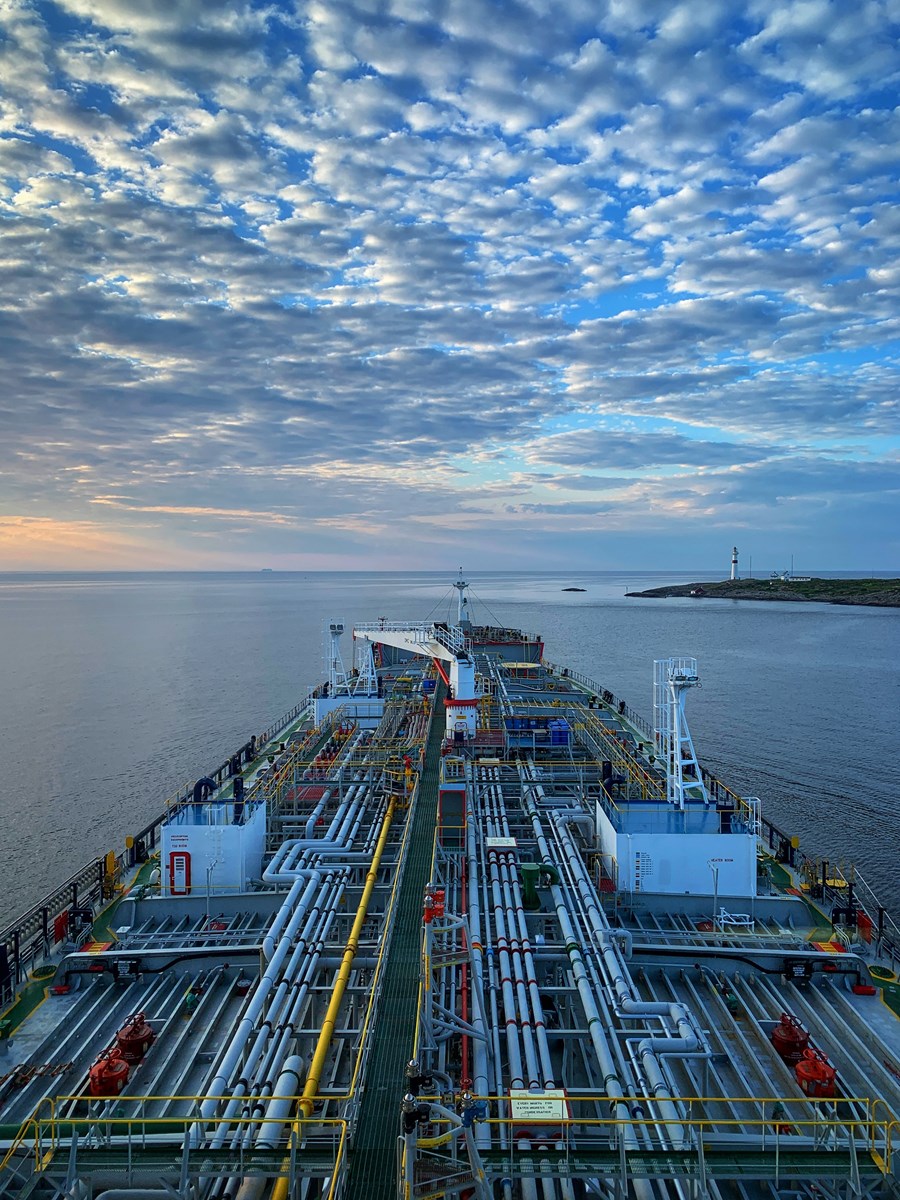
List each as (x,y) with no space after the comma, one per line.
(307,884)
(683,1034)
(449,1023)
(450,1019)
(326,1033)
(518,1033)
(611,1079)
(681,1037)
(527,991)
(277,1028)
(480,1080)
(318,888)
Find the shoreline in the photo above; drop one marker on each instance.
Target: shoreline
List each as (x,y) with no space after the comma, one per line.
(877,593)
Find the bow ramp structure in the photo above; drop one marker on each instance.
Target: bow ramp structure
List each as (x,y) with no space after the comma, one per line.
(461,924)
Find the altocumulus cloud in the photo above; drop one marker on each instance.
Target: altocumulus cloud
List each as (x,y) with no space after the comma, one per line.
(308,284)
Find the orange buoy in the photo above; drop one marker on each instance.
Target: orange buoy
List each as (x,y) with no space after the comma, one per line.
(109,1074)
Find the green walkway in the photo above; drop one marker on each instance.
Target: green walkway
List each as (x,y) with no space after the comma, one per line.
(373,1170)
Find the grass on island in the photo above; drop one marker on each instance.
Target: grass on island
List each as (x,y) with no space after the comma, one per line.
(882,592)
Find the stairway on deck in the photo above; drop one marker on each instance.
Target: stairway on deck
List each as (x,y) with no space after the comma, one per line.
(372,1173)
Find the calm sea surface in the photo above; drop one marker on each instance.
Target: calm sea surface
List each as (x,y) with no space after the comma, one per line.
(117,689)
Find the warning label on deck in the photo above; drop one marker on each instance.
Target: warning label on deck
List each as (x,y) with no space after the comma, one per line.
(539,1106)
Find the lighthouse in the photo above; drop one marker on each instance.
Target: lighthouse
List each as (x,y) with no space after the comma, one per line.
(734,570)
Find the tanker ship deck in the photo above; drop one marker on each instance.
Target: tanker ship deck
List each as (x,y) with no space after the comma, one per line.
(461,925)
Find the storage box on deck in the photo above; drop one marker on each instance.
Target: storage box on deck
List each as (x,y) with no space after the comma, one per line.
(559,733)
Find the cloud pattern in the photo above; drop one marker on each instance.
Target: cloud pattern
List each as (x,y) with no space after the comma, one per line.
(371,283)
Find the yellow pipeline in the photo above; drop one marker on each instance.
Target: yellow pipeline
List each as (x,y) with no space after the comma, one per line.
(340,985)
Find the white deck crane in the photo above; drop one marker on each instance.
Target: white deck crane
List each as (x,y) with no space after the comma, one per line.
(444,644)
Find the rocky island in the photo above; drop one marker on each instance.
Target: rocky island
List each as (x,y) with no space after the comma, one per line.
(884,593)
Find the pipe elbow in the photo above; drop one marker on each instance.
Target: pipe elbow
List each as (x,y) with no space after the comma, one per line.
(550,870)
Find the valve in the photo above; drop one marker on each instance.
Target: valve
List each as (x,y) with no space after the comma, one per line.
(413,1113)
(416,1080)
(408,1109)
(471,1110)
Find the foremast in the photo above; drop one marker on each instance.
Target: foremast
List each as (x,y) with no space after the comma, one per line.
(672,680)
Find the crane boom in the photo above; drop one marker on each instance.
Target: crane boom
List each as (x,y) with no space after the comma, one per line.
(446,643)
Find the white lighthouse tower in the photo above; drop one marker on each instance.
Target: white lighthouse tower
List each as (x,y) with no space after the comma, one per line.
(734,565)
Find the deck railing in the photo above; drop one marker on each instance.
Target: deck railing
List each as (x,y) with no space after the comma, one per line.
(27,940)
(128,1136)
(844,895)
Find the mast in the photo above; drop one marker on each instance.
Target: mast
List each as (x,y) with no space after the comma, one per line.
(673,677)
(337,677)
(462,612)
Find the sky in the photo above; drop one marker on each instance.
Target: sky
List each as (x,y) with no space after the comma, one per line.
(419,283)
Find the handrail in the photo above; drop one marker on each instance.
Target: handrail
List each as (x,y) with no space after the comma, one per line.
(781,1125)
(55,1129)
(371,1007)
(726,797)
(604,694)
(28,937)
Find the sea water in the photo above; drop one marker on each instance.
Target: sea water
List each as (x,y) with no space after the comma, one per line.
(118,689)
